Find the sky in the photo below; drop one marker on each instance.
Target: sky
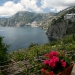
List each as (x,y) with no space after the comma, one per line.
(10,7)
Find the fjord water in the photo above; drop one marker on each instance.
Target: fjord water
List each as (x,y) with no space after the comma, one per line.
(22,37)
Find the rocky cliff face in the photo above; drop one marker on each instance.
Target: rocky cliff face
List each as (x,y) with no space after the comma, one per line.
(56,31)
(60,27)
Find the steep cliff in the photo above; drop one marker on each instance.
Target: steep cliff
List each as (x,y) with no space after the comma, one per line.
(60,27)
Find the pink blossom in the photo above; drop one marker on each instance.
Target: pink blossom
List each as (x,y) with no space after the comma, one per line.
(56,59)
(63,63)
(46,62)
(53,53)
(53,61)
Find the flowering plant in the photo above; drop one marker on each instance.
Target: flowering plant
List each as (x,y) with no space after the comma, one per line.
(56,62)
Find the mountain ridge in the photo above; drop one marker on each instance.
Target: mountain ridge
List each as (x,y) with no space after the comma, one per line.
(20,19)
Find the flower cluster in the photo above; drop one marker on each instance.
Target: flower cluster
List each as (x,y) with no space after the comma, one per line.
(55,61)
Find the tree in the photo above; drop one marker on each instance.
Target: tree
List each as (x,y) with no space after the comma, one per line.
(3,51)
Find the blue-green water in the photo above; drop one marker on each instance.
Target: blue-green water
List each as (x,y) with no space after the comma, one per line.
(22,37)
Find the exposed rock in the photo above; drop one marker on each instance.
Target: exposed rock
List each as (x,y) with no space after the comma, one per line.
(57,31)
(59,26)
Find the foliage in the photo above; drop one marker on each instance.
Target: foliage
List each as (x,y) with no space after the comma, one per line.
(53,43)
(20,64)
(70,47)
(24,70)
(3,51)
(66,44)
(19,55)
(32,44)
(71,30)
(73,57)
(67,40)
(1,73)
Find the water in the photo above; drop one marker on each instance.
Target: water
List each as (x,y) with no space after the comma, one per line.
(22,37)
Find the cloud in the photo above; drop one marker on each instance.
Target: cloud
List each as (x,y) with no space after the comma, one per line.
(57,4)
(10,7)
(31,4)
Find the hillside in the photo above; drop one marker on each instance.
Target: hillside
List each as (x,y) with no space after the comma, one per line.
(59,27)
(22,18)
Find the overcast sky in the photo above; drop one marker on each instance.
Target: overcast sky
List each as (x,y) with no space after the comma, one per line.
(10,7)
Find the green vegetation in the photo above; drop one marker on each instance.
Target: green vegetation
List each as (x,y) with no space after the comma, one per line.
(1,73)
(34,50)
(65,44)
(71,29)
(3,52)
(29,53)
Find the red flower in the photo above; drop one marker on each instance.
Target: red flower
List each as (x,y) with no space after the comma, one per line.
(46,62)
(53,53)
(63,63)
(52,64)
(53,61)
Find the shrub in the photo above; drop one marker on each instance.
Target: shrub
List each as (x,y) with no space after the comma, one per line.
(19,56)
(70,47)
(53,43)
(67,40)
(1,73)
(32,45)
(3,51)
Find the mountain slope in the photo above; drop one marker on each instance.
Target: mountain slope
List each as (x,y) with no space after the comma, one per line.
(60,27)
(24,17)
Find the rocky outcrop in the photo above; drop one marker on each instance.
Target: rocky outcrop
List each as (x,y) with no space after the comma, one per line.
(59,26)
(58,30)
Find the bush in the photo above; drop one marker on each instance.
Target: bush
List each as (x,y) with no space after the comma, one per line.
(1,73)
(32,45)
(67,40)
(19,56)
(3,51)
(52,43)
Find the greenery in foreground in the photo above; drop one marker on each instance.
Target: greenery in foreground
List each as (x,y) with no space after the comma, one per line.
(3,52)
(67,43)
(35,50)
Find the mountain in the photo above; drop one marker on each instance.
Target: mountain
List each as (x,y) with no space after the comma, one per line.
(22,18)
(2,20)
(60,27)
